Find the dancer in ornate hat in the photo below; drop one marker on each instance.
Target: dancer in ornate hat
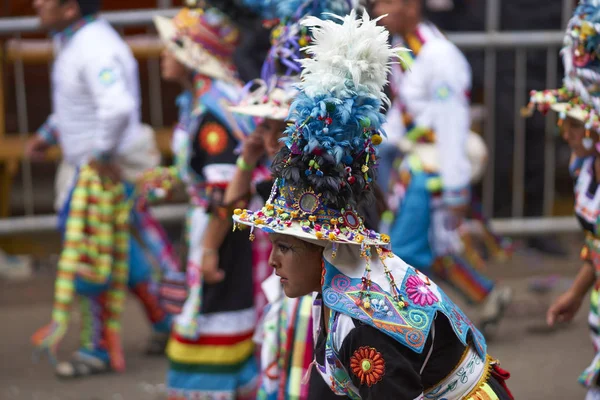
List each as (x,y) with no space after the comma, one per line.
(428,122)
(286,334)
(96,121)
(578,106)
(211,351)
(382,329)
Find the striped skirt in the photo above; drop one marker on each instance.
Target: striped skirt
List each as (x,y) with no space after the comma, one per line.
(219,364)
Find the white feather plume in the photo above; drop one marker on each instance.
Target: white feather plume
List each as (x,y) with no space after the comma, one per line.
(356,50)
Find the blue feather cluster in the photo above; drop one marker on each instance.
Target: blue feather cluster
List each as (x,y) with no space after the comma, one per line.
(330,147)
(341,127)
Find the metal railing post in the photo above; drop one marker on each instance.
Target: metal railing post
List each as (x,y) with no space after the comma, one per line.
(23,126)
(518,193)
(491,26)
(567,11)
(155,92)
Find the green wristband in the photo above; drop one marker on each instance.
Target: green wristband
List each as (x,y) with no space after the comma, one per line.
(243,165)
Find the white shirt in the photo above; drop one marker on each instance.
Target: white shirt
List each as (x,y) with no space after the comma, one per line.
(435,92)
(96,94)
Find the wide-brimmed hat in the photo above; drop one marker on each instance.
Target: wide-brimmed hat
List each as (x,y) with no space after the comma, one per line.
(261,101)
(203,40)
(326,169)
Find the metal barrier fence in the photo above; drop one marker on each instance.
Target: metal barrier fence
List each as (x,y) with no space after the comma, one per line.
(490,42)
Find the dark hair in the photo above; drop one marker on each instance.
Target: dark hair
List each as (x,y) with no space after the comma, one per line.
(87,7)
(335,189)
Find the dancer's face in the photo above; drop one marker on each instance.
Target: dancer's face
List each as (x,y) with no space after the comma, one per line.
(171,69)
(298,263)
(402,15)
(56,14)
(271,132)
(573,132)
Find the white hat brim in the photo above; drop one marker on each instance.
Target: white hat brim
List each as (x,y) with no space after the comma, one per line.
(191,54)
(268,110)
(574,112)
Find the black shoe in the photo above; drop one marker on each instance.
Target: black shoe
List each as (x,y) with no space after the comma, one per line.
(157,343)
(549,245)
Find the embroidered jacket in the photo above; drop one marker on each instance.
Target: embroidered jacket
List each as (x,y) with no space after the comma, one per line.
(353,364)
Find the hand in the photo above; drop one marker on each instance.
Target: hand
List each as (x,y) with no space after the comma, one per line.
(107,170)
(456,216)
(36,148)
(253,148)
(564,308)
(210,267)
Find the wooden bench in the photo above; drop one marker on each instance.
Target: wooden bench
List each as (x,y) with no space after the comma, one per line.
(40,51)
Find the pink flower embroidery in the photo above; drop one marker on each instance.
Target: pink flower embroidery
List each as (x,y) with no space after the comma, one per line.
(418,292)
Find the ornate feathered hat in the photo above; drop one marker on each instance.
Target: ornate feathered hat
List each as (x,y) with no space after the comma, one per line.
(326,168)
(579,98)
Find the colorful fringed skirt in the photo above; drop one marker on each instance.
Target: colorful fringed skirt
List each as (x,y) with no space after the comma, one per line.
(211,351)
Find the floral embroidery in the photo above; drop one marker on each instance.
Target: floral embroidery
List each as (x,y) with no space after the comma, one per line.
(213,138)
(418,292)
(368,364)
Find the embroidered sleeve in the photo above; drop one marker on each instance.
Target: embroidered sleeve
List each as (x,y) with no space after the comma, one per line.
(48,131)
(114,99)
(378,367)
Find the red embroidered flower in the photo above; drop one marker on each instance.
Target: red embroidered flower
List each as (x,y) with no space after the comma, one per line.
(368,364)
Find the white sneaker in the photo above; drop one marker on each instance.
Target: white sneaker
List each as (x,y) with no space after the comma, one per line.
(15,268)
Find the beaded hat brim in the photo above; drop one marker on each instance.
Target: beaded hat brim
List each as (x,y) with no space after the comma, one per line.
(308,219)
(191,54)
(295,229)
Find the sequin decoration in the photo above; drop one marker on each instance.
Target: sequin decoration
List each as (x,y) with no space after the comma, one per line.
(213,138)
(308,202)
(368,365)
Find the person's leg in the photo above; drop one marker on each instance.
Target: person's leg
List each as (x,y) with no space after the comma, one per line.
(93,356)
(141,285)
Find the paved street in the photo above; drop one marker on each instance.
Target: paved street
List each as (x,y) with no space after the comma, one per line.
(544,364)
